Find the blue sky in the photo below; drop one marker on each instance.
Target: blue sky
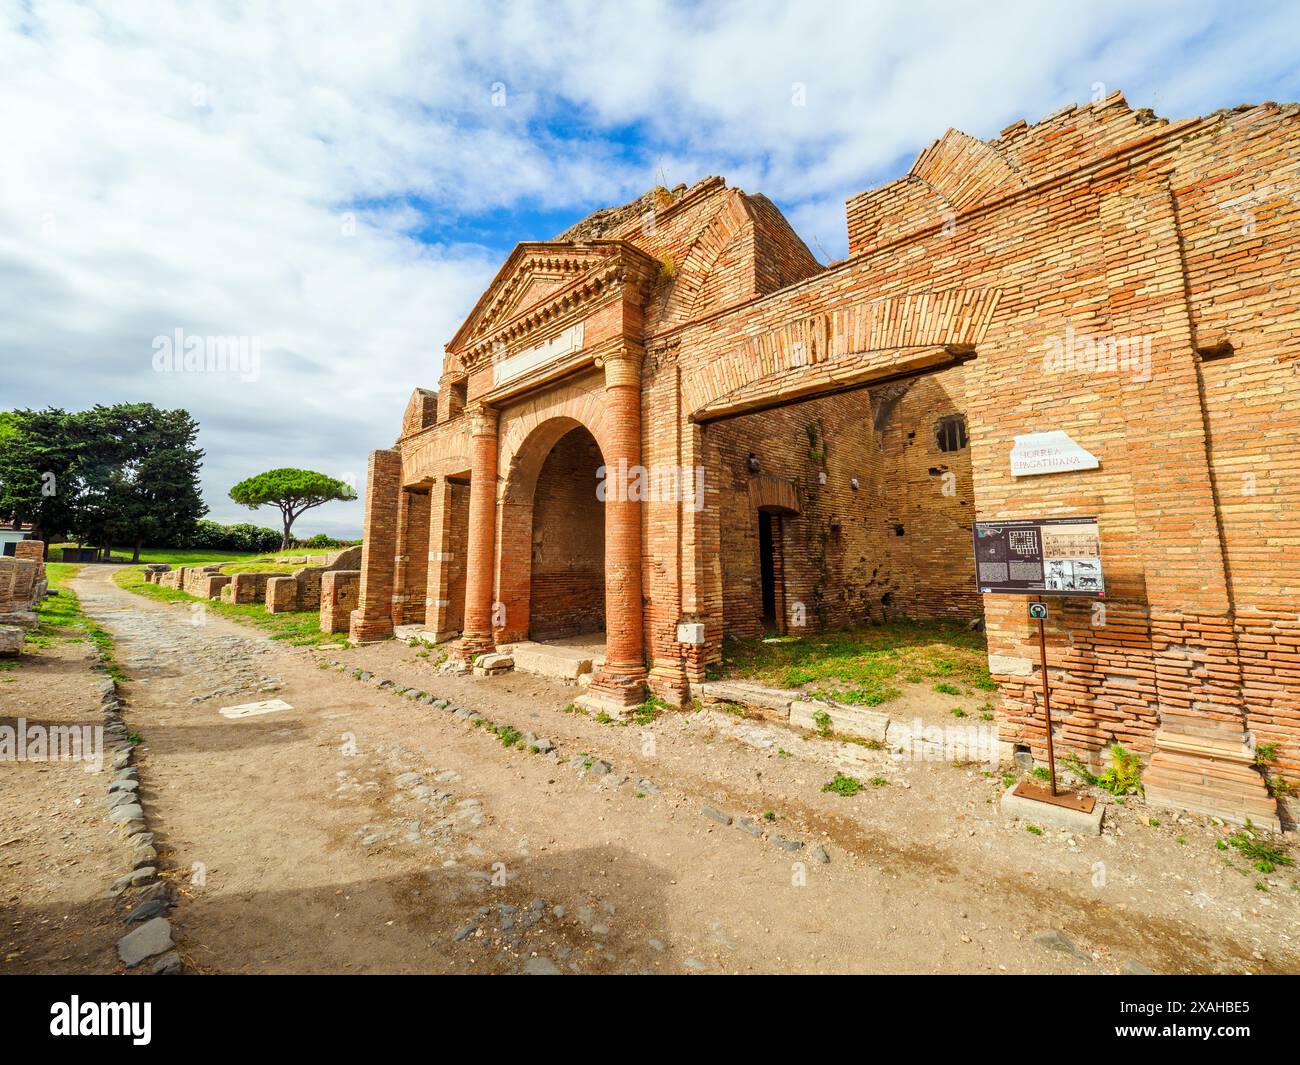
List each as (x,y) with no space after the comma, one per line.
(339,182)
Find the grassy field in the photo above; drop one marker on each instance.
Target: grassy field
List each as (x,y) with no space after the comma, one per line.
(866,666)
(175,556)
(61,618)
(262,564)
(299,628)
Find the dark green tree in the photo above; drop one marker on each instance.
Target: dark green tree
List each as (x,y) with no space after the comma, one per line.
(139,466)
(39,453)
(293,491)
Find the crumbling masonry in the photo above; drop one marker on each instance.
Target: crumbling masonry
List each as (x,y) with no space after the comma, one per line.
(1127,280)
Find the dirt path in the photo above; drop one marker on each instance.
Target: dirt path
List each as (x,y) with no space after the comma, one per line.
(361,831)
(57,853)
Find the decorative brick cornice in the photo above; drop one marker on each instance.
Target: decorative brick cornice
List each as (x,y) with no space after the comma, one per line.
(603,270)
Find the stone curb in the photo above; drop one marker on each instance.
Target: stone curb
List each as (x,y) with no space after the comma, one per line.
(150,931)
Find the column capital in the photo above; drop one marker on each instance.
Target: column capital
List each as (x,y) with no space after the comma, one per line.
(621,368)
(482,420)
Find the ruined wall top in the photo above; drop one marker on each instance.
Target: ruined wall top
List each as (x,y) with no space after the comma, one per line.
(958,173)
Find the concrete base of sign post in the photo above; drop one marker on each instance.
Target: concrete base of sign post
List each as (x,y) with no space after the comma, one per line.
(1046,813)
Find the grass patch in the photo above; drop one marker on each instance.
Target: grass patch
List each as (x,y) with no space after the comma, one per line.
(843,785)
(1278,786)
(864,666)
(60,617)
(649,710)
(1264,858)
(298,628)
(508,735)
(173,556)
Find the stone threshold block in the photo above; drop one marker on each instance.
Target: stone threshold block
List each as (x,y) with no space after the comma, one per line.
(1046,813)
(770,702)
(844,720)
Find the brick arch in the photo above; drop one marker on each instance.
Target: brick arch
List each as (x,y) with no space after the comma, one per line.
(819,352)
(526,429)
(528,435)
(777,495)
(965,172)
(437,452)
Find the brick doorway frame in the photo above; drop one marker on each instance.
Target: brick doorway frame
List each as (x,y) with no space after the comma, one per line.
(515,522)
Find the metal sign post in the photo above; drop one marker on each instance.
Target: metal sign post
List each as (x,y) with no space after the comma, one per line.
(1038,611)
(1042,557)
(1025,789)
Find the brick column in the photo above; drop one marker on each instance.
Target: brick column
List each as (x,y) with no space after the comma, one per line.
(621,683)
(438,618)
(481,552)
(373,618)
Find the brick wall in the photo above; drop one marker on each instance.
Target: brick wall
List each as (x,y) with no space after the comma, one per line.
(834,571)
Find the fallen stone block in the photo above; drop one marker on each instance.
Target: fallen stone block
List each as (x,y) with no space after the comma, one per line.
(489,665)
(744,693)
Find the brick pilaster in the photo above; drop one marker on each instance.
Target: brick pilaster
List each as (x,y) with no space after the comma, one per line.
(1202,759)
(441,560)
(373,618)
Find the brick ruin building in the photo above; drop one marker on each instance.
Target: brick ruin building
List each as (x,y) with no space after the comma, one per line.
(851,421)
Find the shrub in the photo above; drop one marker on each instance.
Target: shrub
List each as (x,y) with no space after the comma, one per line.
(1122,777)
(213,536)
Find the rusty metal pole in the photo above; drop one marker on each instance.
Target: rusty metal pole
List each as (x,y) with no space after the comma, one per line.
(1047,705)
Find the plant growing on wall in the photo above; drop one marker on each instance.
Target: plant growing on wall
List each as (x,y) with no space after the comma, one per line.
(816,443)
(293,491)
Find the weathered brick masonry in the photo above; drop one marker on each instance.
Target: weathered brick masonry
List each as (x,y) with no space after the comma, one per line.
(1125,279)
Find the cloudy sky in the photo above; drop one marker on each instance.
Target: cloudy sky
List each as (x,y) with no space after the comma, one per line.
(338,182)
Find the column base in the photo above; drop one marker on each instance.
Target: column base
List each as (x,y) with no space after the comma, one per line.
(1208,768)
(369,630)
(615,694)
(467,648)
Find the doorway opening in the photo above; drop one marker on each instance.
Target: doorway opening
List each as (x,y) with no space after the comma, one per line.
(769,533)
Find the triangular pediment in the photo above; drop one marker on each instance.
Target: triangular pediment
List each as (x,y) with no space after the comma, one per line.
(530,276)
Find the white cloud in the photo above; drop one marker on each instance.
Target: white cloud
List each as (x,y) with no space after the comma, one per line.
(188,165)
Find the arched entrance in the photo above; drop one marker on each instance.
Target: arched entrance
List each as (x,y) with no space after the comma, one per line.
(552,542)
(567,557)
